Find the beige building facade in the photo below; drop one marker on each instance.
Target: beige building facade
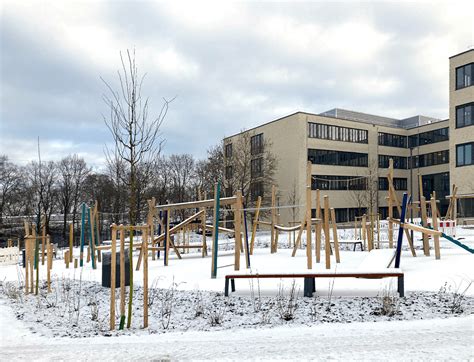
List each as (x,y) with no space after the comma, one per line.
(349,154)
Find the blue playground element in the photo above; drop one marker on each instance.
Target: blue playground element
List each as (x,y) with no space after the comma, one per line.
(400,230)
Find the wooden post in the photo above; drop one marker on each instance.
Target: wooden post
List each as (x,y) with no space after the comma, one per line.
(113,271)
(122,273)
(83,232)
(75,263)
(49,264)
(309,251)
(27,260)
(168,241)
(255,224)
(71,241)
(272,226)
(237,229)
(434,218)
(327,243)
(390,222)
(318,227)
(145,279)
(43,240)
(334,231)
(364,230)
(66,259)
(215,230)
(424,222)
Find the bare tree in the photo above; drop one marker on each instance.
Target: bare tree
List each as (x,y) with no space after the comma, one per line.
(366,194)
(10,178)
(73,172)
(181,168)
(136,136)
(247,167)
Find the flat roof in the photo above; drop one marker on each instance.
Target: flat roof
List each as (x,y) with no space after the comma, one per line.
(360,117)
(465,51)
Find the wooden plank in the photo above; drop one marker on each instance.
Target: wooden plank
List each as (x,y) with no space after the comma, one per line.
(183,223)
(224,201)
(334,231)
(255,224)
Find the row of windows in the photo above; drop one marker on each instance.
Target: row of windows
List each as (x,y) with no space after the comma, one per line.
(256,144)
(338,183)
(398,162)
(400,183)
(337,158)
(344,214)
(256,167)
(336,133)
(464,115)
(392,140)
(430,159)
(426,138)
(464,154)
(464,76)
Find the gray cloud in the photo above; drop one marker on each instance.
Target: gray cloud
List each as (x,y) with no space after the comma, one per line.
(233,66)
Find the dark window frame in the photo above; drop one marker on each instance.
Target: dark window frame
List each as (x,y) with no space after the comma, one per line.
(228,150)
(392,140)
(256,144)
(464,106)
(256,167)
(463,146)
(464,68)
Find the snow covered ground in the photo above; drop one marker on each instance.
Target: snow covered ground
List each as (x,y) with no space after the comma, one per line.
(423,325)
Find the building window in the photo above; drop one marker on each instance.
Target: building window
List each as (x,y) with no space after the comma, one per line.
(464,155)
(256,167)
(464,115)
(392,140)
(256,144)
(438,182)
(398,162)
(228,172)
(228,150)
(256,190)
(336,133)
(430,159)
(400,183)
(426,138)
(338,158)
(464,76)
(341,183)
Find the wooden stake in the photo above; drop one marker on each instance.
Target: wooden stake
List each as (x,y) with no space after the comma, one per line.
(273,216)
(145,279)
(168,240)
(318,227)
(113,271)
(75,263)
(27,260)
(424,222)
(71,241)
(43,241)
(255,224)
(434,218)
(364,230)
(390,222)
(309,253)
(334,231)
(49,262)
(327,243)
(238,228)
(122,274)
(66,258)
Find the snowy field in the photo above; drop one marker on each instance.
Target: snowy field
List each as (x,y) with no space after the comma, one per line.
(191,319)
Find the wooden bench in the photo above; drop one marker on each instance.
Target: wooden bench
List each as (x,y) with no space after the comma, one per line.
(309,278)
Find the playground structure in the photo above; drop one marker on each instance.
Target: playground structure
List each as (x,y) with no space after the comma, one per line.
(158,236)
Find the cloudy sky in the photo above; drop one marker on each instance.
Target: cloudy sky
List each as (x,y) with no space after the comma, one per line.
(231,65)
